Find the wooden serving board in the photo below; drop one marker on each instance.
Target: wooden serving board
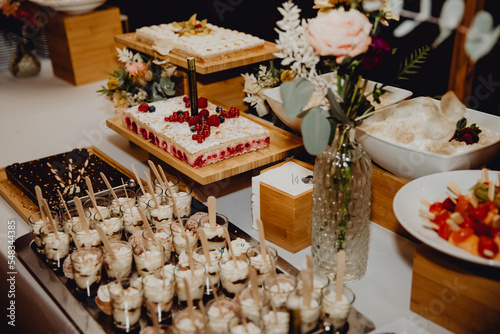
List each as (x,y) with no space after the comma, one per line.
(232,60)
(283,144)
(24,206)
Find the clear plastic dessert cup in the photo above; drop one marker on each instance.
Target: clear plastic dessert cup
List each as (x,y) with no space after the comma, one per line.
(252,307)
(189,228)
(234,274)
(126,301)
(183,199)
(219,312)
(195,278)
(87,264)
(55,245)
(121,265)
(148,256)
(263,265)
(36,223)
(189,322)
(103,210)
(132,219)
(173,183)
(237,325)
(305,317)
(124,196)
(279,287)
(215,236)
(113,228)
(334,313)
(144,198)
(84,239)
(318,283)
(164,213)
(212,268)
(163,235)
(275,321)
(159,292)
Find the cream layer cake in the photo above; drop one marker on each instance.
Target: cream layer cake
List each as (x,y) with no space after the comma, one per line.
(212,42)
(215,134)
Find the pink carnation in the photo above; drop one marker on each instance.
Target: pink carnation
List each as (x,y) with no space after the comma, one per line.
(137,69)
(340,34)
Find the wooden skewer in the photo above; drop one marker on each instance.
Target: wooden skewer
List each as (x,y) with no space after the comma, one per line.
(450,196)
(262,239)
(156,173)
(105,242)
(111,190)
(204,245)
(430,225)
(491,191)
(212,212)
(485,175)
(453,225)
(146,224)
(230,247)
(152,190)
(154,316)
(473,199)
(81,214)
(426,214)
(339,282)
(425,202)
(163,175)
(453,187)
(138,179)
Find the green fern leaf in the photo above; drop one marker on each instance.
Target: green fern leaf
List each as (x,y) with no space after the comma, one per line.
(413,63)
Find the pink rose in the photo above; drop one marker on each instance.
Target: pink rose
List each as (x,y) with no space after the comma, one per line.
(137,69)
(340,34)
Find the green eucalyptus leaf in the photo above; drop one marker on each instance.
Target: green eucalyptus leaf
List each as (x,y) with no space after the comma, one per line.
(316,130)
(303,113)
(295,95)
(337,110)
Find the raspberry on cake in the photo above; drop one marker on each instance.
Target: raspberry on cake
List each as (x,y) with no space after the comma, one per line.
(211,136)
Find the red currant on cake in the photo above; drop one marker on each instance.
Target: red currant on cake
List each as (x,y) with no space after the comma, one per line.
(213,120)
(202,102)
(185,99)
(144,107)
(203,113)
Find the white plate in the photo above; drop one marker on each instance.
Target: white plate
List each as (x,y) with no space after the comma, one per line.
(71,7)
(273,97)
(431,187)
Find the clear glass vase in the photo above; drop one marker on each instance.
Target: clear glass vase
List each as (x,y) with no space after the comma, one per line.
(341,207)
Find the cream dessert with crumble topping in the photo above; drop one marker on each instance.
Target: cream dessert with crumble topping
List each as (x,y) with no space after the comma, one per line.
(215,134)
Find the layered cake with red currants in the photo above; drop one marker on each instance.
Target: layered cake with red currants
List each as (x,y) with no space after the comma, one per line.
(211,136)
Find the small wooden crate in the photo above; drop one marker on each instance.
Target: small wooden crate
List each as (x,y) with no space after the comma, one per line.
(286,218)
(460,296)
(82,47)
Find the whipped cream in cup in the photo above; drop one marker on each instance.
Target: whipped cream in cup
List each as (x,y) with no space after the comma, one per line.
(183,199)
(307,316)
(334,314)
(215,236)
(148,256)
(263,266)
(87,264)
(56,245)
(250,308)
(240,246)
(102,211)
(219,312)
(276,322)
(144,198)
(124,196)
(237,326)
(173,182)
(163,235)
(234,277)
(212,269)
(132,219)
(279,287)
(161,214)
(121,267)
(184,324)
(196,281)
(82,239)
(159,291)
(189,228)
(318,283)
(113,228)
(126,302)
(36,223)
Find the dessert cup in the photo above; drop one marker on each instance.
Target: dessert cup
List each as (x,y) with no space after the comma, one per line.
(163,235)
(36,223)
(55,245)
(113,228)
(124,196)
(148,256)
(132,219)
(184,323)
(196,281)
(173,182)
(144,198)
(334,313)
(164,213)
(305,318)
(263,266)
(233,276)
(274,321)
(159,291)
(126,301)
(239,326)
(82,239)
(219,312)
(121,266)
(189,228)
(103,210)
(213,270)
(252,308)
(215,236)
(87,265)
(183,200)
(163,329)
(279,287)
(318,283)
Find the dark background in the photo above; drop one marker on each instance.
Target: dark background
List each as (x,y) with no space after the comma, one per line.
(258,17)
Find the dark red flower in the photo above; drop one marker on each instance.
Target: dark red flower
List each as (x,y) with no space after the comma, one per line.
(375,55)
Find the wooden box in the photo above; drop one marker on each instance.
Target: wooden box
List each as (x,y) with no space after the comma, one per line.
(82,47)
(286,218)
(460,296)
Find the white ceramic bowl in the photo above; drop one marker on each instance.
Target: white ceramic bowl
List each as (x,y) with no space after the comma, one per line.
(273,97)
(411,164)
(71,7)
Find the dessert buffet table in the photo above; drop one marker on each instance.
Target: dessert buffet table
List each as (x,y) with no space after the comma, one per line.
(44,115)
